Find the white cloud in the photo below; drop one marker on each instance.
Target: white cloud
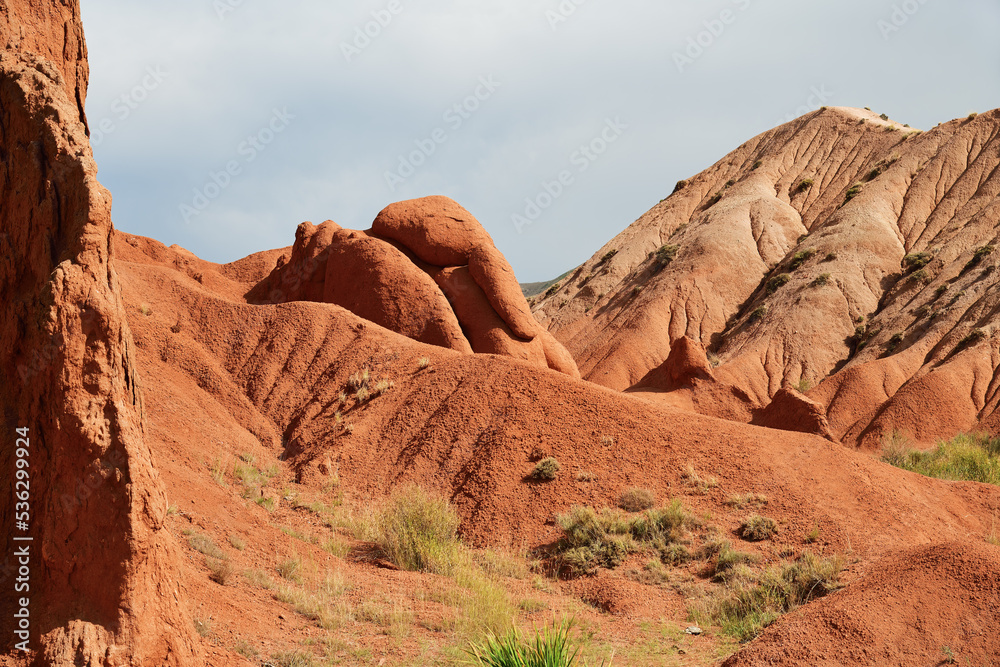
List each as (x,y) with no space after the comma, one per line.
(353,119)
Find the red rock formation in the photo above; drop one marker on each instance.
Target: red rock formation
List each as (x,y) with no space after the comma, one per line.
(103,580)
(841,249)
(793,411)
(376,281)
(388,274)
(52,32)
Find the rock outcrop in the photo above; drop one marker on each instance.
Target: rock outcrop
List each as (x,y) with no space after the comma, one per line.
(103,585)
(426,269)
(842,251)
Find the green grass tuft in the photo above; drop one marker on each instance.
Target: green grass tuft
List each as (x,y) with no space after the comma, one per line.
(971,457)
(552,646)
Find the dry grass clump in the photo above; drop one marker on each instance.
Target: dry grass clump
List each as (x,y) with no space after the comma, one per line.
(203,626)
(741,500)
(289,569)
(546,470)
(756,528)
(636,499)
(359,380)
(594,539)
(700,484)
(252,478)
(204,544)
(751,601)
(220,571)
(418,531)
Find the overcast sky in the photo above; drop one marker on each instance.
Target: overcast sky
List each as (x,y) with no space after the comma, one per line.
(220,125)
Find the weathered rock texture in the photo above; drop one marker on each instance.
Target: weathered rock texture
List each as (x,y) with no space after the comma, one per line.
(103,583)
(841,251)
(428,270)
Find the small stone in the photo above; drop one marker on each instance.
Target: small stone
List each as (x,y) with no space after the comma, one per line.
(693,630)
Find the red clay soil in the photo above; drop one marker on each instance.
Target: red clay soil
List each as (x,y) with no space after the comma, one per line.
(266,380)
(832,203)
(933,605)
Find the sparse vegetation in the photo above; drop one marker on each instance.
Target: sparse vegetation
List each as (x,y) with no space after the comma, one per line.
(664,255)
(218,472)
(884,116)
(805,184)
(418,531)
(681,184)
(758,313)
(251,478)
(920,276)
(941,289)
(550,647)
(975,336)
(966,457)
(220,571)
(739,501)
(546,470)
(756,165)
(916,260)
(553,289)
(727,559)
(803,385)
(292,659)
(757,528)
(423,363)
(382,386)
(751,602)
(636,499)
(853,192)
(777,282)
(695,481)
(820,280)
(894,342)
(812,536)
(145,309)
(203,544)
(359,380)
(289,569)
(606,257)
(605,539)
(981,253)
(203,626)
(800,258)
(586,476)
(246,650)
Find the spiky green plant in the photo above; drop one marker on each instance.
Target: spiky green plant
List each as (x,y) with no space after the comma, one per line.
(552,646)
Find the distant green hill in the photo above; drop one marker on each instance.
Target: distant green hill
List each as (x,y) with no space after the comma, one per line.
(531,289)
